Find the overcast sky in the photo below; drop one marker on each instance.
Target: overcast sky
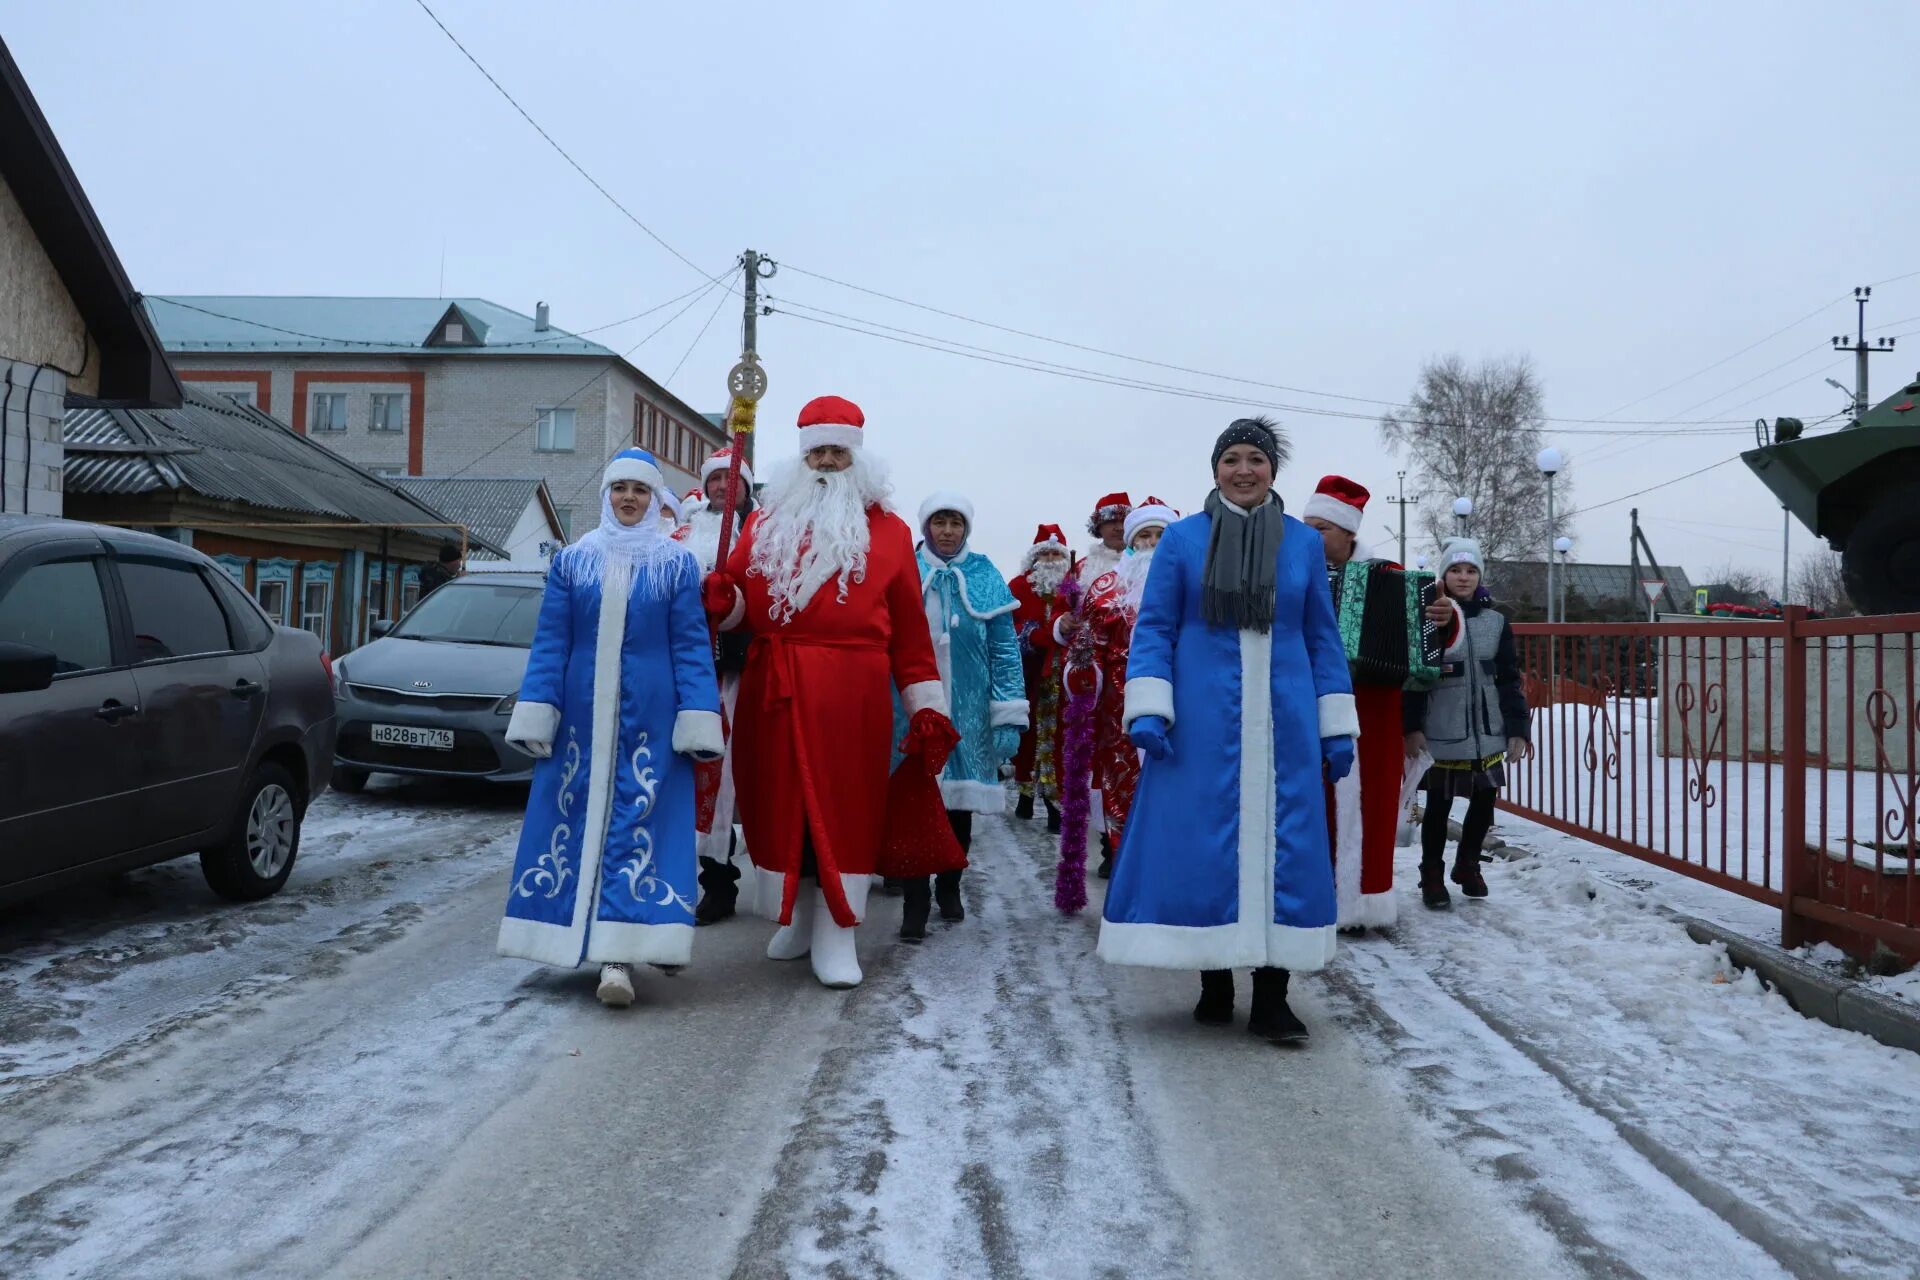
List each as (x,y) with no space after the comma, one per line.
(1319,196)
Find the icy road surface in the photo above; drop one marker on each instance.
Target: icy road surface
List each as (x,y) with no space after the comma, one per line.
(346,1081)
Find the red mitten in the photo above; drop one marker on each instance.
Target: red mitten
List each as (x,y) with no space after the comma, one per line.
(932,737)
(718,592)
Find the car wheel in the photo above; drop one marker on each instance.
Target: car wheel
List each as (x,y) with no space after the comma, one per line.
(1881,565)
(349,782)
(257,856)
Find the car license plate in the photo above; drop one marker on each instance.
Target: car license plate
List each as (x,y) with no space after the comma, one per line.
(399,735)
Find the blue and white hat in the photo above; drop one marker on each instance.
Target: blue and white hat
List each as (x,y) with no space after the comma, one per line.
(636,464)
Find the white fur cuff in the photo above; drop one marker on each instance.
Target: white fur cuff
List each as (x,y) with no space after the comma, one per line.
(1148,696)
(1458,649)
(1003,713)
(928,695)
(698,733)
(737,614)
(1338,718)
(533,727)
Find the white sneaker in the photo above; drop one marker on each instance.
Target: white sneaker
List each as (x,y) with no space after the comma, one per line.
(616,986)
(793,941)
(835,961)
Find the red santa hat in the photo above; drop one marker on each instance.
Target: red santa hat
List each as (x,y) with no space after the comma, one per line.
(717,463)
(1151,514)
(1114,506)
(695,500)
(1047,537)
(829,420)
(1339,501)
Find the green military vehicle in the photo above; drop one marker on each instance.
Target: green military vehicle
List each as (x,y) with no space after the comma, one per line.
(1859,488)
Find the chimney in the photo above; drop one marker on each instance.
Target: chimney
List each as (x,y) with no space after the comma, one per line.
(539,317)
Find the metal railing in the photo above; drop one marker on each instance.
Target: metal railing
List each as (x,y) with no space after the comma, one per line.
(1773,759)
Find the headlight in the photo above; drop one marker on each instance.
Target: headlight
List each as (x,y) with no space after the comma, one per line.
(507,704)
(339,680)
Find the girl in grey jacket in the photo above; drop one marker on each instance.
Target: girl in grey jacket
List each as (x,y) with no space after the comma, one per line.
(1471,723)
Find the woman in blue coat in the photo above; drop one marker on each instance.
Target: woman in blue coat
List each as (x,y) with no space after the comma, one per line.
(1238,696)
(619,688)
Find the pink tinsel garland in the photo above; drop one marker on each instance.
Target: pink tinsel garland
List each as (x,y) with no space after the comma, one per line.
(1076,770)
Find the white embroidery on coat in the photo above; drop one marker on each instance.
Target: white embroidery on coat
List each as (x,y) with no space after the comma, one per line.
(638,870)
(551,871)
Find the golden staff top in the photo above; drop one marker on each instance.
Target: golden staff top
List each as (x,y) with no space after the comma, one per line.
(748,382)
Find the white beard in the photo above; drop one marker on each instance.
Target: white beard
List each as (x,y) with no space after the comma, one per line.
(1099,559)
(1133,577)
(813,529)
(1047,575)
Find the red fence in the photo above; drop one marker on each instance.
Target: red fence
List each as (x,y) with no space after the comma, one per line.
(1774,759)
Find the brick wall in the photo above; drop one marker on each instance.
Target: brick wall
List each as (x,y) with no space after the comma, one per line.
(30,439)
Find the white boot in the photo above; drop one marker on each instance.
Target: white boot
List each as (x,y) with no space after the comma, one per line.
(835,962)
(793,941)
(616,986)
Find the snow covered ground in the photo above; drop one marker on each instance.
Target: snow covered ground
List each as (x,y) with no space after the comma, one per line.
(346,1081)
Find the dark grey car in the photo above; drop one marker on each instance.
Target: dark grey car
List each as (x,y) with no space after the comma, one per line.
(433,696)
(148,709)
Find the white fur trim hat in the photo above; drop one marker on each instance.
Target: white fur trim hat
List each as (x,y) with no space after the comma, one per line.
(828,420)
(946,500)
(637,464)
(716,465)
(1151,514)
(1461,551)
(1339,501)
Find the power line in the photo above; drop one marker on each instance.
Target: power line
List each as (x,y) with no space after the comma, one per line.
(562,151)
(721,301)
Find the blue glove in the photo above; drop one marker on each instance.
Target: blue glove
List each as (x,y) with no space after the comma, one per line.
(1338,753)
(1149,733)
(1006,742)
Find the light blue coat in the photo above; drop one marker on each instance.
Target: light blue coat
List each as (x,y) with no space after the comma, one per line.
(1225,862)
(605,870)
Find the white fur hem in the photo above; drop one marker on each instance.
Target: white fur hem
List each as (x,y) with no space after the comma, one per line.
(1338,718)
(611,942)
(1015,713)
(928,695)
(1149,696)
(737,614)
(1375,910)
(843,434)
(769,887)
(699,733)
(554,944)
(973,796)
(1223,946)
(533,724)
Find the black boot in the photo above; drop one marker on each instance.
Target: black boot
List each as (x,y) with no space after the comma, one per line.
(1270,1018)
(1466,874)
(1024,808)
(1433,887)
(1053,818)
(1106,857)
(1216,998)
(946,892)
(720,882)
(917,902)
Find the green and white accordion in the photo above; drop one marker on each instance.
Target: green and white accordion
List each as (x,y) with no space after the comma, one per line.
(1383,623)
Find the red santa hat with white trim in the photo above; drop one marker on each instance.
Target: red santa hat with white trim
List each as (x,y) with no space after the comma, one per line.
(695,500)
(1339,501)
(716,465)
(829,420)
(1151,514)
(1047,537)
(1114,506)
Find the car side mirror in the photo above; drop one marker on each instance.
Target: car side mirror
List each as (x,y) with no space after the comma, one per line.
(381,627)
(25,669)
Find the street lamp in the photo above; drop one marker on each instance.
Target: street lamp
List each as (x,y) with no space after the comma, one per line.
(1550,462)
(1462,508)
(1561,546)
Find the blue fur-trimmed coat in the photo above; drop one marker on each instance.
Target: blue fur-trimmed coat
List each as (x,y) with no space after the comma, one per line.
(970,615)
(621,705)
(1224,863)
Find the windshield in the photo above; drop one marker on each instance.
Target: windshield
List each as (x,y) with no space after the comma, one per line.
(475,613)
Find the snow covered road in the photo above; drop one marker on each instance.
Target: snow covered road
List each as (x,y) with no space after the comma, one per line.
(346,1081)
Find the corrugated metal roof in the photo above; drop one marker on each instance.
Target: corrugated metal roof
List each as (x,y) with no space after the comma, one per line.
(217,449)
(393,326)
(1592,583)
(490,508)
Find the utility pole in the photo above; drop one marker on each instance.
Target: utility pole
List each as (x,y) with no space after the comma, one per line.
(754,268)
(1786,534)
(1861,349)
(1403,502)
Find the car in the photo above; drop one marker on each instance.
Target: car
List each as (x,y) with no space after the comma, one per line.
(148,709)
(432,696)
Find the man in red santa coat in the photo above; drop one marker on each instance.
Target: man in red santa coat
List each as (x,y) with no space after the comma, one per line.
(824,578)
(1367,802)
(1038,604)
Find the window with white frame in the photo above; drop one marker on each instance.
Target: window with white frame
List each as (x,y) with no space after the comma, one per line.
(409,588)
(555,432)
(455,332)
(329,411)
(316,601)
(389,411)
(273,588)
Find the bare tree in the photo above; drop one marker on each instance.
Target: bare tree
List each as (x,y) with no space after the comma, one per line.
(1475,433)
(1817,584)
(1741,585)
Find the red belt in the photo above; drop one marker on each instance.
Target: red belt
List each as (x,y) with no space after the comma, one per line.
(780,648)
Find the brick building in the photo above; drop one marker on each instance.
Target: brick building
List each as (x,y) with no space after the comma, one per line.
(437,387)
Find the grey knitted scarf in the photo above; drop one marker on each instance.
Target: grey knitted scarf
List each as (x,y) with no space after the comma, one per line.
(1243,552)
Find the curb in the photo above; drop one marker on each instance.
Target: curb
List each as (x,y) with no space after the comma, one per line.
(1813,992)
